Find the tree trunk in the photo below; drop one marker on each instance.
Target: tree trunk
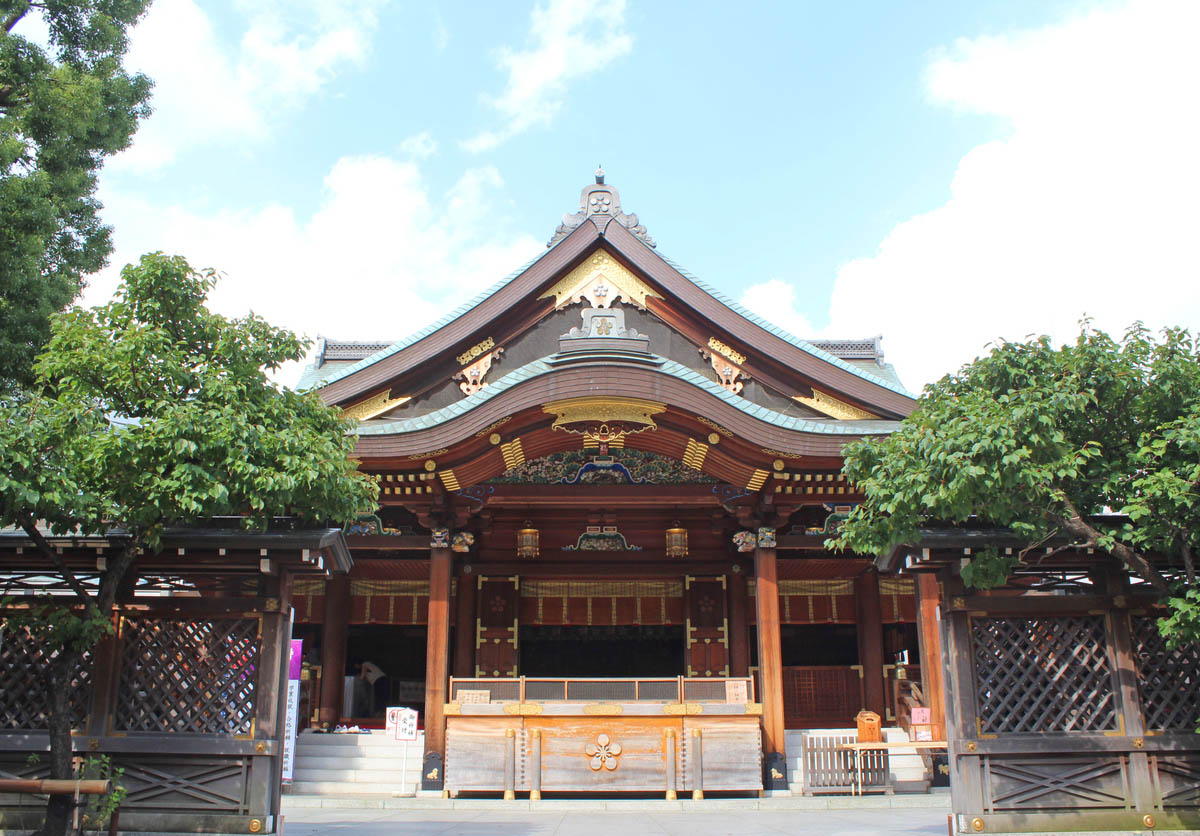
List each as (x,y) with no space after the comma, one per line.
(57,678)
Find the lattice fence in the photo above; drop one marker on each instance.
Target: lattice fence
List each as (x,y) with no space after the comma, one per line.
(24,704)
(1043,674)
(1168,680)
(188,676)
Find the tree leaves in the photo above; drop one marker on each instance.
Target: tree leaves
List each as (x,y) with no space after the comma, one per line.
(1036,439)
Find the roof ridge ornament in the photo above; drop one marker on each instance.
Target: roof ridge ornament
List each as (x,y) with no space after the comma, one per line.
(604,201)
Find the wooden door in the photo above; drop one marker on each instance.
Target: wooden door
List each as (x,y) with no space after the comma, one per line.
(707,626)
(496,625)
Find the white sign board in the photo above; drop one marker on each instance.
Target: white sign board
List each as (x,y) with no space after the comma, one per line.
(292,710)
(401,723)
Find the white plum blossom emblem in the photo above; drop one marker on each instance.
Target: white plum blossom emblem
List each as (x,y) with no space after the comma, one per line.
(603,753)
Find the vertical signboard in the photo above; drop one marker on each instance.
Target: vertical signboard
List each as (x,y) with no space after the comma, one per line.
(291,713)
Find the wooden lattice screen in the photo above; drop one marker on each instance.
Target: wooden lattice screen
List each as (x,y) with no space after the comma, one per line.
(1049,673)
(23,696)
(1168,680)
(191,676)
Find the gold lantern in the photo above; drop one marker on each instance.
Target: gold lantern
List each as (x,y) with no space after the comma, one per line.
(527,541)
(677,541)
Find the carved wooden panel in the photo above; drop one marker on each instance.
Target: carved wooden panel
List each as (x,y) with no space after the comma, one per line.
(1056,783)
(23,695)
(1050,673)
(1168,680)
(204,784)
(496,626)
(707,627)
(193,676)
(1178,779)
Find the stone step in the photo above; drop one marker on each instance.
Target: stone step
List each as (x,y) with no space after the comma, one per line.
(356,776)
(372,740)
(358,762)
(347,788)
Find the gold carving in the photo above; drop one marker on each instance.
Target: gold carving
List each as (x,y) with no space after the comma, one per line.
(373,406)
(756,480)
(683,708)
(724,350)
(777,464)
(601,280)
(256,825)
(449,480)
(977,824)
(603,709)
(428,455)
(972,745)
(602,409)
(494,439)
(832,407)
(727,372)
(474,351)
(523,709)
(1148,820)
(713,438)
(513,453)
(472,376)
(493,426)
(717,427)
(430,465)
(694,455)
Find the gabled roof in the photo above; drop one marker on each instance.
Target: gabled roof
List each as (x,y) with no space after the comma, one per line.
(860,375)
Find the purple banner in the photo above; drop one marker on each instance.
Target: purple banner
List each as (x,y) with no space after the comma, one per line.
(297,659)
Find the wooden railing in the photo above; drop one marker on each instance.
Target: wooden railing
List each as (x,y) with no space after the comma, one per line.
(673,689)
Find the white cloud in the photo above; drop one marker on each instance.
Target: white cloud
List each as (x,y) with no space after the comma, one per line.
(568,39)
(1088,207)
(379,259)
(419,146)
(441,35)
(210,92)
(775,301)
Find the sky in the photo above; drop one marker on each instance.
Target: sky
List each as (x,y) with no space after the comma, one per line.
(943,174)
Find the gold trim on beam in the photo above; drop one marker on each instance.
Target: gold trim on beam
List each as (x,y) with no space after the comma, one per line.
(449,480)
(756,480)
(601,279)
(513,453)
(831,406)
(694,455)
(603,409)
(373,406)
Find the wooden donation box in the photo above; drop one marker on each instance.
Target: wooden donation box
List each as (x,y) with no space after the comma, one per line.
(602,735)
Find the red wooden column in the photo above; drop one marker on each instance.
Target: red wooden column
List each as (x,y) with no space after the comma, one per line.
(870,640)
(464,625)
(333,648)
(437,651)
(929,645)
(739,635)
(770,669)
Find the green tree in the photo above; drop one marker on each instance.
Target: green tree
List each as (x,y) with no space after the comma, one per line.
(64,108)
(1041,440)
(152,411)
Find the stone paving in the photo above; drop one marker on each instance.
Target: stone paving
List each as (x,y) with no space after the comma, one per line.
(742,817)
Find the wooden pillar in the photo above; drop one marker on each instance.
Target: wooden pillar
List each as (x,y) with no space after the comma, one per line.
(770,669)
(739,635)
(929,645)
(270,697)
(333,648)
(437,668)
(464,626)
(870,640)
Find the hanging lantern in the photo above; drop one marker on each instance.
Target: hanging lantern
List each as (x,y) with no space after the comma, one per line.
(527,541)
(677,541)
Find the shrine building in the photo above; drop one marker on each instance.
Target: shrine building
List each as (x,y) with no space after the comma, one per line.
(605,490)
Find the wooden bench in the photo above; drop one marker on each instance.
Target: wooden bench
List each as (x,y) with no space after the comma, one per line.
(829,765)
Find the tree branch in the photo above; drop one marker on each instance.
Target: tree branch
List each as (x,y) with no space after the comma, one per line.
(14,17)
(1074,523)
(110,581)
(28,525)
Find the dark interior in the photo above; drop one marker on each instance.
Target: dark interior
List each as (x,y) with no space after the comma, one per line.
(602,651)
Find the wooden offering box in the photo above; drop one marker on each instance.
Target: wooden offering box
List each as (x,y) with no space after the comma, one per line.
(602,735)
